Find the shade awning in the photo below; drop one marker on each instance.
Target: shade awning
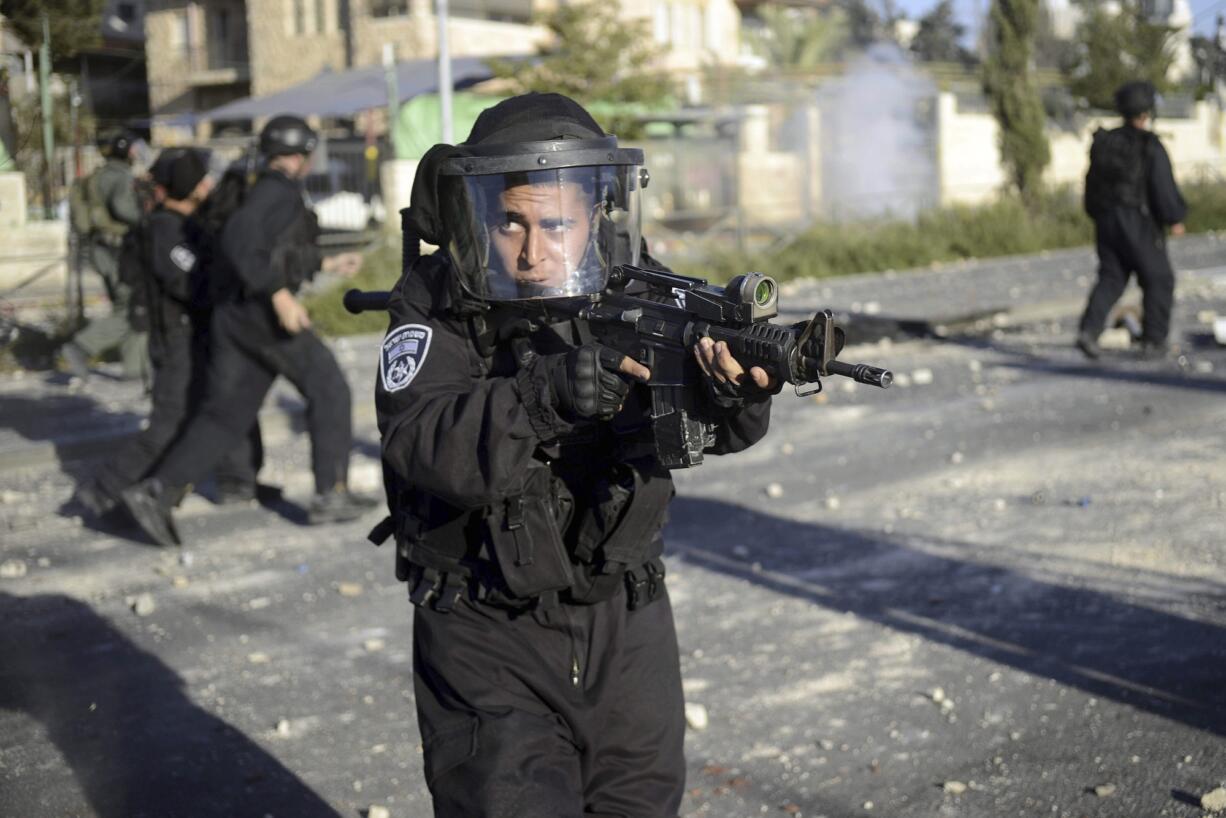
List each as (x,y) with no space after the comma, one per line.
(345,93)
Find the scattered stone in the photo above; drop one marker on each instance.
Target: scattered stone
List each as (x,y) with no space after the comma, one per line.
(186,559)
(826,744)
(179,581)
(259,603)
(258,658)
(872,308)
(975,365)
(12,569)
(955,458)
(847,386)
(1118,338)
(787,448)
(1206,316)
(373,645)
(1214,800)
(1219,331)
(902,380)
(349,589)
(43,562)
(954,787)
(833,503)
(868,805)
(142,604)
(1104,790)
(696,716)
(376,811)
(999,504)
(1203,367)
(921,377)
(774,491)
(283,727)
(937,694)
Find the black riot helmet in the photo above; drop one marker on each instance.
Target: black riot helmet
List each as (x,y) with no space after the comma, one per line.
(1135,98)
(286,134)
(539,202)
(117,144)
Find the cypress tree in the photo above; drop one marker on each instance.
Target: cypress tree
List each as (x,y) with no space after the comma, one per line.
(1008,80)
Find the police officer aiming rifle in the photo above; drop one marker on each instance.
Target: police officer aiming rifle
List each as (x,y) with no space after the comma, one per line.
(523,475)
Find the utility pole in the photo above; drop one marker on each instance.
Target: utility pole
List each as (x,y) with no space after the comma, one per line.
(44,78)
(444,71)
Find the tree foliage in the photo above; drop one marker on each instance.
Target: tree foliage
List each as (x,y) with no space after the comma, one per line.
(939,38)
(74,24)
(596,57)
(798,38)
(1009,83)
(1117,47)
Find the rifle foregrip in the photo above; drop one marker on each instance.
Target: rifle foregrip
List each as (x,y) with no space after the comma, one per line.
(359,301)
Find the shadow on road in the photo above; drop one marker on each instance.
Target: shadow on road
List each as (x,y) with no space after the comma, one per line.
(120,718)
(1144,657)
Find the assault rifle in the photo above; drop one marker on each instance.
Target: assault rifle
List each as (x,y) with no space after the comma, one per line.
(656,318)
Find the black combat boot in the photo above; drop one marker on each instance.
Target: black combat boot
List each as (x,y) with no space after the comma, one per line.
(338,506)
(94,499)
(149,503)
(1088,345)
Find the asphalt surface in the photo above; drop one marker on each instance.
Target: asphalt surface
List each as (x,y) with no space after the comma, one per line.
(995,589)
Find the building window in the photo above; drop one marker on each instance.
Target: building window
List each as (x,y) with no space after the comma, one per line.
(321,16)
(180,34)
(659,22)
(389,8)
(299,16)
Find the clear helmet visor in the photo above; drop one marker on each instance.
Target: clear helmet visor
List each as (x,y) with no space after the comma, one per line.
(545,233)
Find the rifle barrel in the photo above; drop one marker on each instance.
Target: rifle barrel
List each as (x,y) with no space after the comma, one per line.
(359,301)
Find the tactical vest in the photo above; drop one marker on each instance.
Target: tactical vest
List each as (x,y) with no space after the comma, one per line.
(1119,164)
(295,256)
(584,522)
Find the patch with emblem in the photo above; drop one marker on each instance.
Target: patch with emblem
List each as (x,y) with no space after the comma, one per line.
(404,351)
(183,258)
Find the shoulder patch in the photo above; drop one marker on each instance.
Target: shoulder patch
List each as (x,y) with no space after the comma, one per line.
(404,351)
(183,258)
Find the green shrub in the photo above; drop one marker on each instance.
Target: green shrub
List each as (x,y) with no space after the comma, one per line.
(380,270)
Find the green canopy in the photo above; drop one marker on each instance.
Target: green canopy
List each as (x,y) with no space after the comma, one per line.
(419,125)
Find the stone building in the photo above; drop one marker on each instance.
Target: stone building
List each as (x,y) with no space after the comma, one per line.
(204,53)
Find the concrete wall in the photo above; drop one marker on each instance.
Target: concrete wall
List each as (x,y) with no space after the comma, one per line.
(415,35)
(281,57)
(28,248)
(968,152)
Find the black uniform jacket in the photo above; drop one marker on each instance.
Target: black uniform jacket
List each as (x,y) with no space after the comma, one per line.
(464,429)
(249,240)
(173,265)
(1166,203)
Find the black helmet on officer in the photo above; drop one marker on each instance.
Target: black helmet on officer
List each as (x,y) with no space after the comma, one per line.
(117,144)
(287,134)
(1134,99)
(539,202)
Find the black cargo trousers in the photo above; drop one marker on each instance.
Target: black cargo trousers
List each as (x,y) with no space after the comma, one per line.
(1129,241)
(247,351)
(179,354)
(564,711)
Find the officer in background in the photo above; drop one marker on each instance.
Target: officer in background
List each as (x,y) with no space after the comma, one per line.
(260,330)
(172,301)
(1132,196)
(526,502)
(105,205)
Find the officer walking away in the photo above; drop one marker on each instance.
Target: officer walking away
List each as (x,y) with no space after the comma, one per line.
(260,330)
(104,207)
(525,496)
(170,296)
(1132,196)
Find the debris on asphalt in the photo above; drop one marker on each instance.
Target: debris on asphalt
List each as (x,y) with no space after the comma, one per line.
(373,645)
(376,811)
(956,458)
(12,569)
(1104,790)
(349,589)
(258,658)
(283,727)
(921,377)
(833,503)
(774,490)
(696,716)
(141,604)
(954,787)
(1214,800)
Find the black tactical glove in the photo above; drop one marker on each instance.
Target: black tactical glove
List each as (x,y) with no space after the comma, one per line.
(586,382)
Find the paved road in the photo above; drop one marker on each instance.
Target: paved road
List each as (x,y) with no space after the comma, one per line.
(984,592)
